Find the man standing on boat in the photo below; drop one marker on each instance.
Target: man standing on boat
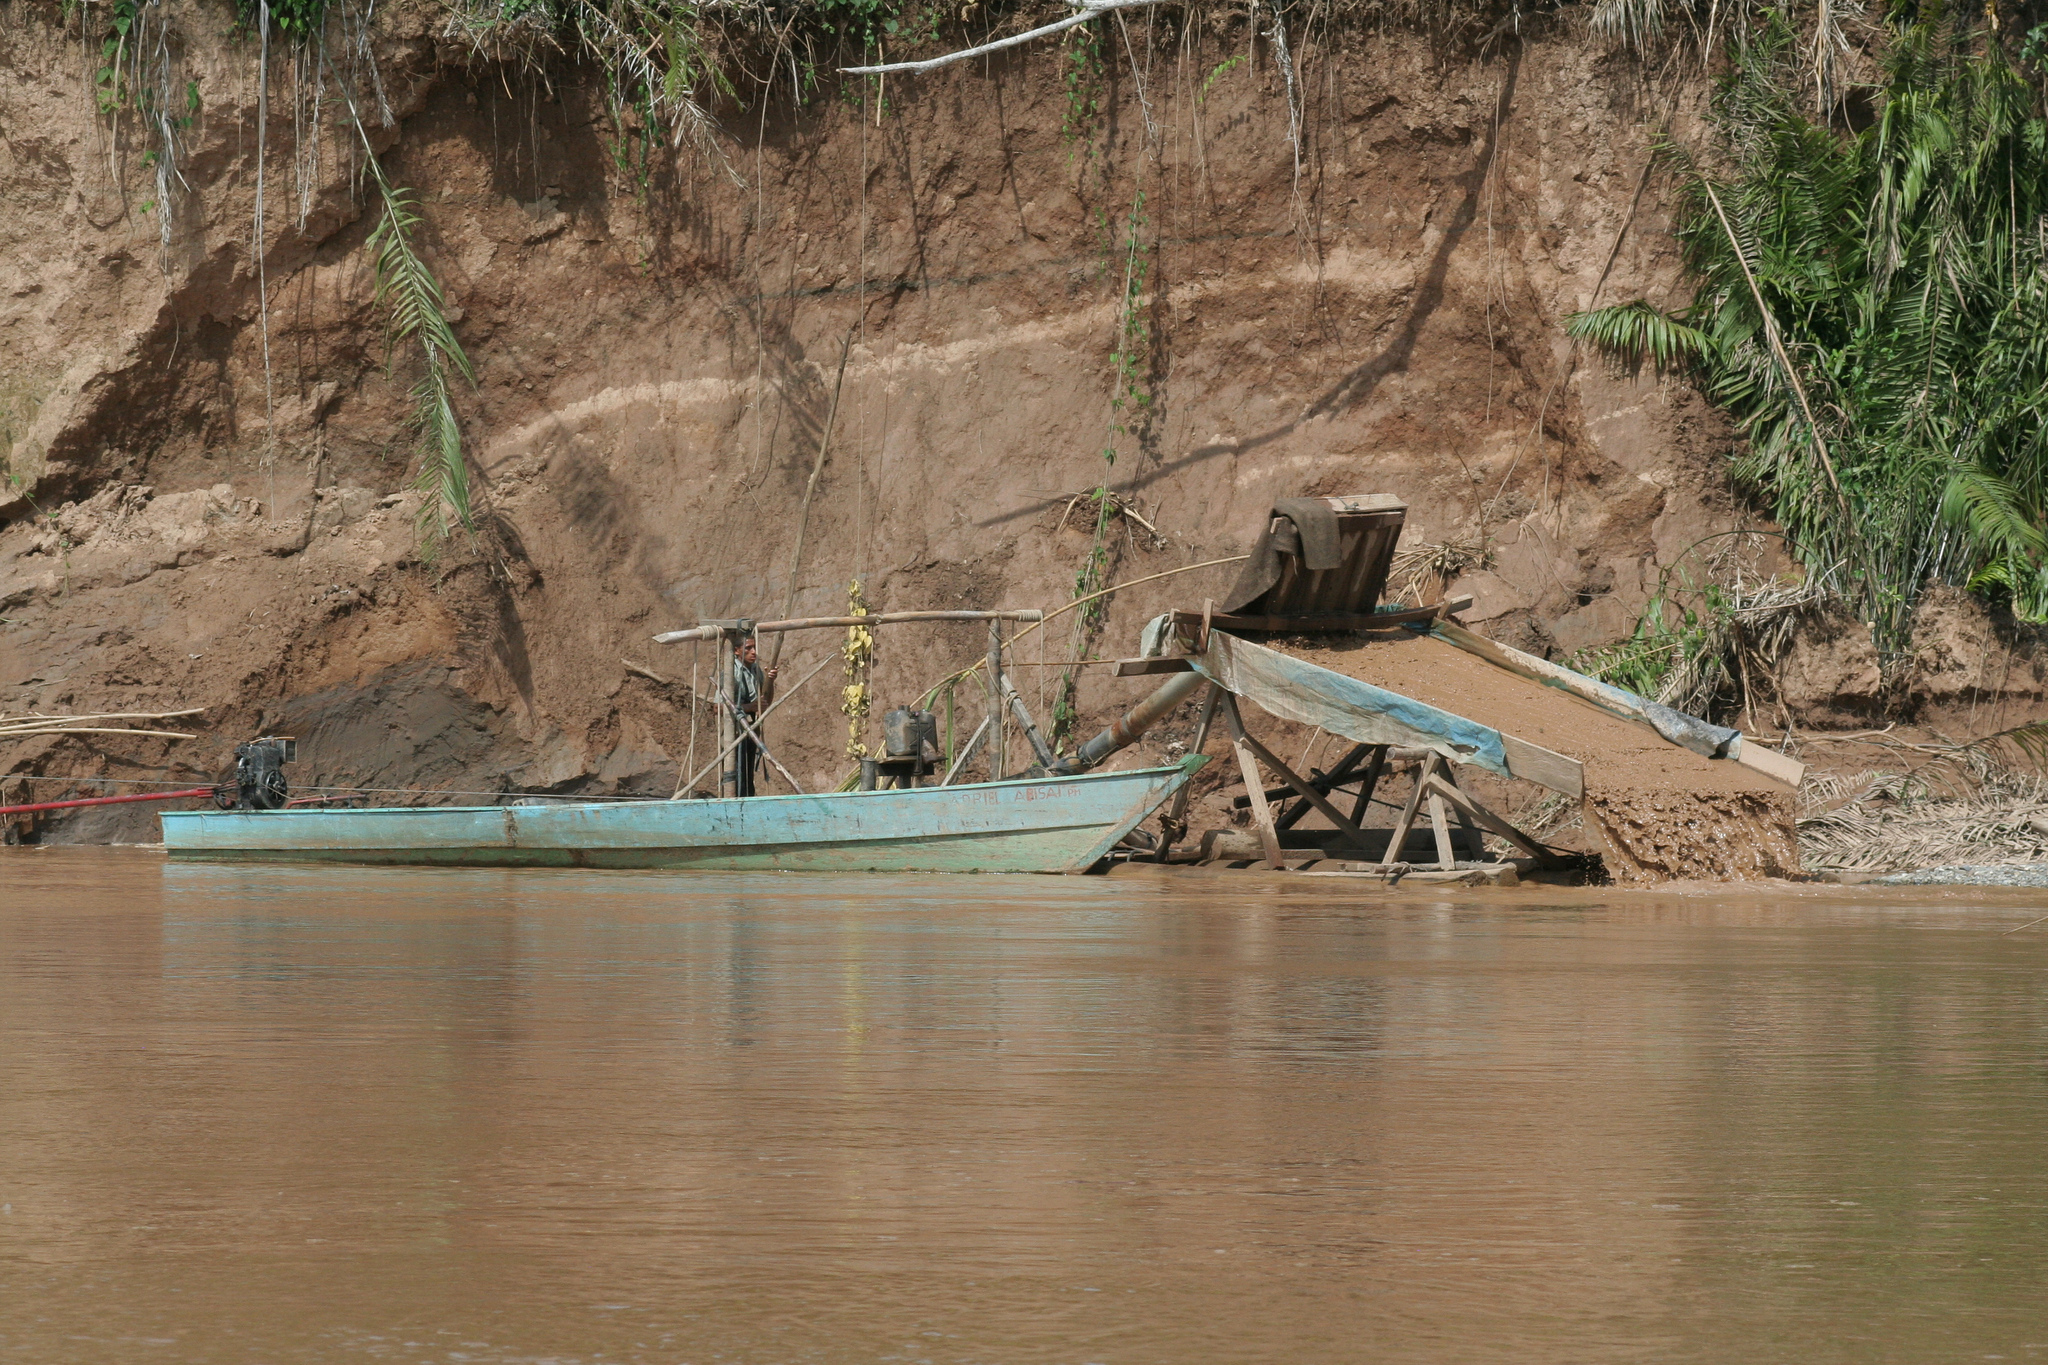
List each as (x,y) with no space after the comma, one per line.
(753,692)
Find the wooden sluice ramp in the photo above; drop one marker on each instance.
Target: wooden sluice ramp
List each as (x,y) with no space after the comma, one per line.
(1660,808)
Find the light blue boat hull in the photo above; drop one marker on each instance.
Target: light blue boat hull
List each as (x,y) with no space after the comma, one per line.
(1061,824)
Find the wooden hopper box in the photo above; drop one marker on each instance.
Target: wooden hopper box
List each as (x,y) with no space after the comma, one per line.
(1368,524)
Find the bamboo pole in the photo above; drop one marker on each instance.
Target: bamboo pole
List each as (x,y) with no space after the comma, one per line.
(32,718)
(995,701)
(95,730)
(884,618)
(729,746)
(973,745)
(803,516)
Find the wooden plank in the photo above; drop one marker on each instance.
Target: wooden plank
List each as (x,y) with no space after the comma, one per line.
(1464,819)
(1485,874)
(1493,822)
(1772,764)
(1301,786)
(1262,814)
(1397,840)
(1445,857)
(1534,763)
(1141,668)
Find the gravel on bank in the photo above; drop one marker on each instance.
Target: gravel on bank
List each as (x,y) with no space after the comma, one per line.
(1979,874)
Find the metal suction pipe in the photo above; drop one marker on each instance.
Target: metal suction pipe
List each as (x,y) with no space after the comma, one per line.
(1133,723)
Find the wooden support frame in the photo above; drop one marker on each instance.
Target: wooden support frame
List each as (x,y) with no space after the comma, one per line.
(1373,772)
(1303,787)
(1325,783)
(1399,838)
(1250,753)
(1254,784)
(1485,818)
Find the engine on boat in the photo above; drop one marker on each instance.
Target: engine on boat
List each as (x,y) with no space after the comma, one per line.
(259,774)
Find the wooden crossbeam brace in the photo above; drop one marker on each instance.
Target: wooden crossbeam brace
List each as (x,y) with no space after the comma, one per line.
(1254,784)
(1480,815)
(1409,811)
(1325,783)
(1371,783)
(1286,774)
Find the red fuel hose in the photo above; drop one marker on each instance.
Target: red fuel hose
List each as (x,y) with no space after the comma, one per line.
(107,800)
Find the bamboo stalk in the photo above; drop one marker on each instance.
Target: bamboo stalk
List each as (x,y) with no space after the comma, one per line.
(786,694)
(885,618)
(803,516)
(94,730)
(32,718)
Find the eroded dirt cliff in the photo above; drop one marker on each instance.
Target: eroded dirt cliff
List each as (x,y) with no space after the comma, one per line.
(656,357)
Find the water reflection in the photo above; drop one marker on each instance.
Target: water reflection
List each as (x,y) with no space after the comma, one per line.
(297,1114)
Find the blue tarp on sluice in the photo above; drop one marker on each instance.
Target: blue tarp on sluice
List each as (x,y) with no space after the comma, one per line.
(1296,690)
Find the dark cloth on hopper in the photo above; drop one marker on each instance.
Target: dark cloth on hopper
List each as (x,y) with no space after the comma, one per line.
(1312,526)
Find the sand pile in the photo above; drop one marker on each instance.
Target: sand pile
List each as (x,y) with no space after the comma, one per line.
(1664,812)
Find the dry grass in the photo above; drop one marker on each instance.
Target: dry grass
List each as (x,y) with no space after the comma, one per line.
(1420,573)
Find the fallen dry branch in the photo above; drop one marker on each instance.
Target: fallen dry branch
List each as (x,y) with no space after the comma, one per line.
(1118,506)
(1896,822)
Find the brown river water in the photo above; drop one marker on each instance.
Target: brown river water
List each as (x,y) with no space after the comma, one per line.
(284,1115)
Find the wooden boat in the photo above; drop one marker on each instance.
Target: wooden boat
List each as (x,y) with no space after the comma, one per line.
(1051,824)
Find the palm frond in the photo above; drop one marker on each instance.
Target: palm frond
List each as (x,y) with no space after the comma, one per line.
(1867,309)
(416,312)
(1637,332)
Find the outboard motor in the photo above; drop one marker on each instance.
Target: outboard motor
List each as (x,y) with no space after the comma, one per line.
(259,772)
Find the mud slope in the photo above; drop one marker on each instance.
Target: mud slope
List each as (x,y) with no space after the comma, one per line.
(655,363)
